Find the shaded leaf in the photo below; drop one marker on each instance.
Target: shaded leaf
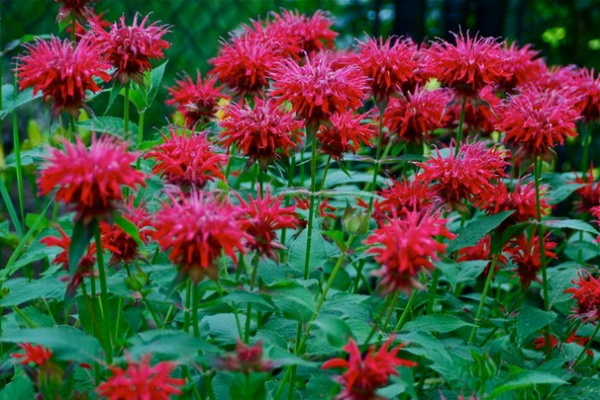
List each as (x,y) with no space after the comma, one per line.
(435,323)
(526,379)
(473,232)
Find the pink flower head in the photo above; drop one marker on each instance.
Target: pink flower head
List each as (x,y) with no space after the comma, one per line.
(522,66)
(196,101)
(344,133)
(525,252)
(37,354)
(404,196)
(480,114)
(244,64)
(316,91)
(413,117)
(263,132)
(365,374)
(587,295)
(129,48)
(467,66)
(481,251)
(537,120)
(589,85)
(197,229)
(246,359)
(188,161)
(90,180)
(141,381)
(390,65)
(521,200)
(301,35)
(261,217)
(471,175)
(589,193)
(407,245)
(75,8)
(63,72)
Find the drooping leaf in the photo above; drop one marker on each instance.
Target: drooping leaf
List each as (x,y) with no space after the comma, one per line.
(435,323)
(526,379)
(10,208)
(22,98)
(167,342)
(111,125)
(475,230)
(464,272)
(574,224)
(21,290)
(80,239)
(128,227)
(530,320)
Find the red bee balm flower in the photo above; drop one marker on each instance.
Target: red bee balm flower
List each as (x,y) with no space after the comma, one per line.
(130,48)
(197,229)
(90,180)
(262,132)
(264,215)
(389,65)
(141,381)
(537,120)
(246,359)
(187,161)
(316,90)
(589,84)
(36,354)
(197,101)
(526,254)
(467,66)
(407,245)
(122,246)
(404,196)
(587,296)
(344,133)
(62,72)
(77,8)
(364,375)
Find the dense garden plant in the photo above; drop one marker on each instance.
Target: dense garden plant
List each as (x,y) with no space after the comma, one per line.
(389,220)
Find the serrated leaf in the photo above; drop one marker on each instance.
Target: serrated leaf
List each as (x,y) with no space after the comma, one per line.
(22,290)
(35,251)
(435,323)
(80,239)
(156,77)
(530,320)
(20,388)
(167,342)
(111,125)
(138,99)
(297,248)
(464,272)
(223,328)
(28,157)
(473,232)
(242,297)
(526,379)
(574,224)
(586,389)
(295,302)
(22,98)
(336,330)
(114,93)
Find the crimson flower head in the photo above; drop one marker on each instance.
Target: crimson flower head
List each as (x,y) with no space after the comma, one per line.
(75,8)
(587,295)
(537,120)
(365,374)
(196,101)
(390,65)
(300,34)
(471,175)
(405,246)
(413,117)
(589,193)
(521,200)
(36,354)
(63,72)
(522,65)
(468,65)
(262,132)
(316,91)
(480,115)
(197,229)
(261,217)
(246,359)
(90,180)
(244,63)
(188,161)
(344,133)
(525,252)
(129,48)
(141,381)
(482,251)
(404,196)
(589,84)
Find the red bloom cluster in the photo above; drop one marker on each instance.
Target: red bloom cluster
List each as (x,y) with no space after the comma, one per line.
(404,196)
(262,132)
(480,114)
(316,90)
(196,101)
(472,174)
(344,133)
(141,381)
(390,65)
(525,252)
(537,120)
(587,296)
(130,48)
(521,200)
(469,65)
(365,374)
(261,218)
(63,72)
(196,229)
(123,247)
(589,193)
(407,245)
(188,161)
(37,354)
(246,359)
(90,180)
(522,66)
(540,342)
(413,117)
(589,85)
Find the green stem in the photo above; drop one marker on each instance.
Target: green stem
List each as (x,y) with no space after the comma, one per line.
(290,177)
(391,310)
(486,288)
(336,269)
(103,294)
(249,306)
(323,179)
(459,132)
(378,152)
(313,189)
(587,346)
(140,135)
(585,140)
(126,111)
(188,306)
(407,309)
(435,277)
(195,302)
(19,167)
(384,309)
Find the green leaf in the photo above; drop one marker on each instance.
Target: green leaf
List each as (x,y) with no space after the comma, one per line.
(586,389)
(114,93)
(156,77)
(294,301)
(472,233)
(532,319)
(464,272)
(320,387)
(28,157)
(138,98)
(66,343)
(336,330)
(223,328)
(167,342)
(574,224)
(110,125)
(128,227)
(10,208)
(242,297)
(22,98)
(80,240)
(297,248)
(526,379)
(248,386)
(435,323)
(36,251)
(20,388)
(22,290)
